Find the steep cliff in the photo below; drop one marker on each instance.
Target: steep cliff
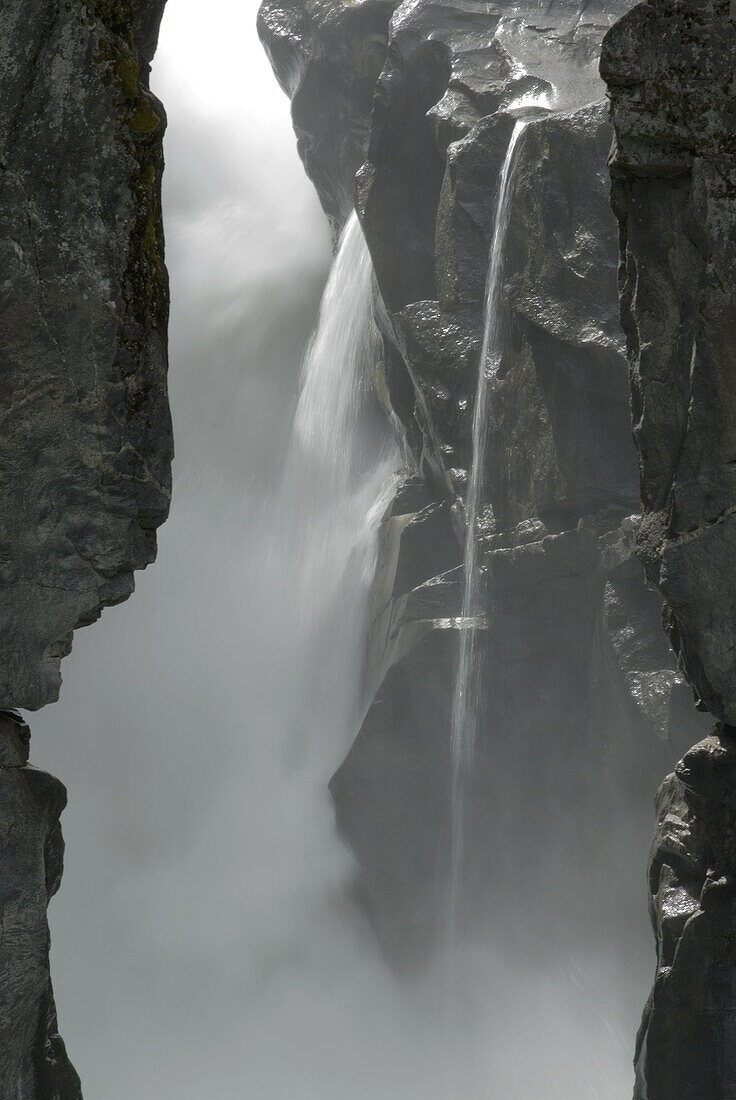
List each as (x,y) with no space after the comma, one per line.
(573,654)
(670,70)
(86,444)
(33,1060)
(686,1042)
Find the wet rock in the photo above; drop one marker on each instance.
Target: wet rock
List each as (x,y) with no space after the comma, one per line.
(399,184)
(441,351)
(466,211)
(429,547)
(327,56)
(562,381)
(574,659)
(86,441)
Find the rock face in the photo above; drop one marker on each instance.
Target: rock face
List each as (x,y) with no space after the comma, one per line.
(669,68)
(686,1046)
(86,443)
(327,57)
(33,1061)
(566,609)
(670,72)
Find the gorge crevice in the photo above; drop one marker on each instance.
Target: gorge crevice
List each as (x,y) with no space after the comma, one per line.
(403,113)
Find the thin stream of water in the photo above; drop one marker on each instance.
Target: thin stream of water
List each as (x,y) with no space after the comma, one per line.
(466,698)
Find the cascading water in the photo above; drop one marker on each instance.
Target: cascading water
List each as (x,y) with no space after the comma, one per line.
(336,486)
(326,446)
(335,377)
(336,481)
(466,698)
(205,880)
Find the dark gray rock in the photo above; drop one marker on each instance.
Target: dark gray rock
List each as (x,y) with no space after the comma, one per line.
(574,659)
(327,56)
(669,70)
(391,797)
(563,378)
(604,715)
(429,547)
(33,1060)
(686,1045)
(441,349)
(86,442)
(399,184)
(568,360)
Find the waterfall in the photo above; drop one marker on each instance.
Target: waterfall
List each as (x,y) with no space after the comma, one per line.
(326,442)
(336,486)
(337,477)
(466,698)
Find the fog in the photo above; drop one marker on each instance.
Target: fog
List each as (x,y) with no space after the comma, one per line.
(204,940)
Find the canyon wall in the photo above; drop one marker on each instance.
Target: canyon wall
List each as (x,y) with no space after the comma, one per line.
(670,71)
(404,111)
(86,446)
(583,705)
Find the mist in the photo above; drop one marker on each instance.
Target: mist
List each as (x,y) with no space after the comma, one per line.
(205,940)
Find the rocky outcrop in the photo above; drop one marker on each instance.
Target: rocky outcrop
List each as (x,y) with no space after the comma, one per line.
(327,58)
(669,68)
(686,1045)
(86,442)
(33,1060)
(565,608)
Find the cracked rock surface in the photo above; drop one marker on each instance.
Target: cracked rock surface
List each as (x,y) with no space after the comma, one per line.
(86,445)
